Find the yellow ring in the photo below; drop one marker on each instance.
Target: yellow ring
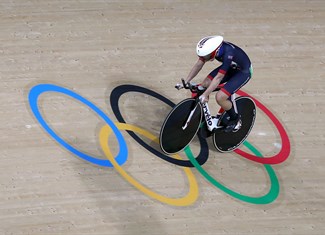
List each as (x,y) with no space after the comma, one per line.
(188,199)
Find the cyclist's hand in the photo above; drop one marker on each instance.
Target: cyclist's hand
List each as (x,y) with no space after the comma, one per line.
(179,86)
(204,99)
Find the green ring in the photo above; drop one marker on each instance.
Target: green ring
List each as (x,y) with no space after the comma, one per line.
(267,198)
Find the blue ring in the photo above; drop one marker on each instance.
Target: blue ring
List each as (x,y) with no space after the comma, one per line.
(33,97)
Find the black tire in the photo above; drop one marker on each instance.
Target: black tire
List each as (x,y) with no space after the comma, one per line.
(227,142)
(173,138)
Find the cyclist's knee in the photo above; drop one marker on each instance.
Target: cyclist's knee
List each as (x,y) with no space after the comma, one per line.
(206,82)
(221,97)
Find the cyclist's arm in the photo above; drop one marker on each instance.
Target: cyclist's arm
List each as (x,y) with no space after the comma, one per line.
(195,70)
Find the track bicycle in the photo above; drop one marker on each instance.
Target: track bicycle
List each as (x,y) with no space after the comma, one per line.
(190,117)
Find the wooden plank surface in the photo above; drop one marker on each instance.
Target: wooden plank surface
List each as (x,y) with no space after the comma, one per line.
(91,47)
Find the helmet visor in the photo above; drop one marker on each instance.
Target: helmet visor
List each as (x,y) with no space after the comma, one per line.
(211,55)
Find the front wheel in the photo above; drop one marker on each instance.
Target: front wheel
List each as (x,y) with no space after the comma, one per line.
(173,138)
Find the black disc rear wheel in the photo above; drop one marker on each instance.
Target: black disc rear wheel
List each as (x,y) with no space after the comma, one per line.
(226,142)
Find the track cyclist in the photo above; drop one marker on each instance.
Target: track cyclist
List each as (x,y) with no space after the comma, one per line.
(234,72)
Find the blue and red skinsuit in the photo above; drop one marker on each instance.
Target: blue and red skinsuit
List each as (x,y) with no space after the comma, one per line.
(236,66)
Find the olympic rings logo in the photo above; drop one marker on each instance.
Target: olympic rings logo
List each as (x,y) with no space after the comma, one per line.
(186,165)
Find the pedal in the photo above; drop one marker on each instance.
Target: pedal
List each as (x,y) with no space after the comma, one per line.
(238,126)
(214,130)
(233,127)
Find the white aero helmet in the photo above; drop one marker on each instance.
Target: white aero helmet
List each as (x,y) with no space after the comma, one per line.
(208,45)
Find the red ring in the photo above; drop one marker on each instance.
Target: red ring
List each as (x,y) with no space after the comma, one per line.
(285,150)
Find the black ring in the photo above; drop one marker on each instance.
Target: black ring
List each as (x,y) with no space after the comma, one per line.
(118,91)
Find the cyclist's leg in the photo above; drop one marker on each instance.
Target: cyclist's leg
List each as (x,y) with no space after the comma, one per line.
(234,83)
(237,81)
(222,83)
(206,82)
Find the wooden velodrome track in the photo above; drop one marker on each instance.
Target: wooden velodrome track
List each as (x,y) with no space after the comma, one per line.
(92,47)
